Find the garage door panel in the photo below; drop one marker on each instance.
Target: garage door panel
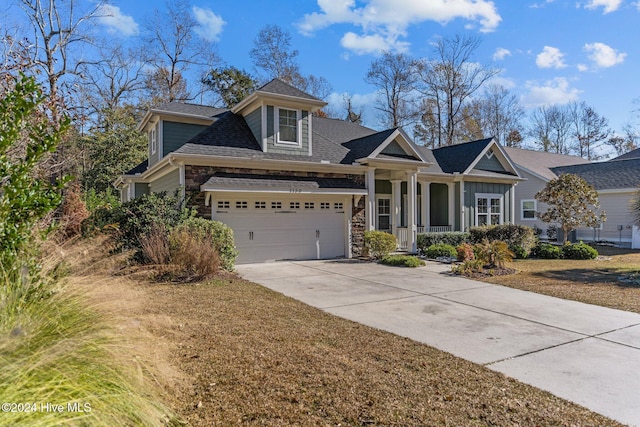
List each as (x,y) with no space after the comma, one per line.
(267,235)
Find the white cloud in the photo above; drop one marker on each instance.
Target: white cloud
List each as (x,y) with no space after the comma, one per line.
(210,24)
(117,23)
(556,91)
(583,67)
(608,5)
(604,56)
(501,53)
(550,57)
(374,43)
(541,5)
(389,19)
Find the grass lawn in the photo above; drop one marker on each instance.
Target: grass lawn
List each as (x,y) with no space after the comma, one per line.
(590,281)
(231,352)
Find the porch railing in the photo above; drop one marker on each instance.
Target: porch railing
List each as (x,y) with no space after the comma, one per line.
(402,234)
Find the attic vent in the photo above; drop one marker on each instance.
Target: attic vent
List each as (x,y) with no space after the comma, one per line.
(489,154)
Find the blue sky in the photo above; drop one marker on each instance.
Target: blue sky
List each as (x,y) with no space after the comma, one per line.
(550,51)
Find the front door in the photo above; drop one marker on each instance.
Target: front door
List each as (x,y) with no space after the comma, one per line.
(383,217)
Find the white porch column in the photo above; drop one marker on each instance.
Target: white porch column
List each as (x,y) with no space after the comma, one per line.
(412,188)
(425,209)
(370,211)
(462,224)
(452,204)
(396,205)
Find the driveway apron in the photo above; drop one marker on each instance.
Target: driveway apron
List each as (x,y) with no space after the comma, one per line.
(583,353)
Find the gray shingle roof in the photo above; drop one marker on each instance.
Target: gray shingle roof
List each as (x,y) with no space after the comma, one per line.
(457,158)
(619,174)
(269,181)
(540,162)
(635,154)
(139,168)
(336,141)
(183,108)
(279,87)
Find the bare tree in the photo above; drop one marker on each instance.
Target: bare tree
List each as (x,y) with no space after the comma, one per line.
(450,79)
(274,58)
(590,130)
(394,78)
(551,128)
(172,48)
(499,114)
(353,115)
(57,27)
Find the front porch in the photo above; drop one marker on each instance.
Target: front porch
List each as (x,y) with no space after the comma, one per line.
(404,205)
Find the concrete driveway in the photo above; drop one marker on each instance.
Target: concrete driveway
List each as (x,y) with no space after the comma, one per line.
(584,353)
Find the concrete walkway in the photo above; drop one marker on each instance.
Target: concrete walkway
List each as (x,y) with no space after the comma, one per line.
(584,353)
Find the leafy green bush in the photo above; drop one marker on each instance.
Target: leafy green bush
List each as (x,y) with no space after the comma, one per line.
(547,251)
(218,233)
(494,253)
(519,252)
(453,238)
(441,250)
(402,261)
(138,217)
(579,251)
(379,244)
(514,235)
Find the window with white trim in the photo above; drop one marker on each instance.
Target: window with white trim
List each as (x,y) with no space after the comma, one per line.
(528,210)
(287,125)
(153,140)
(338,205)
(223,204)
(325,205)
(383,217)
(488,209)
(242,204)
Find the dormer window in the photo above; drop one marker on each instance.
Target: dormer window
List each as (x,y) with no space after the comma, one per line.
(287,125)
(153,141)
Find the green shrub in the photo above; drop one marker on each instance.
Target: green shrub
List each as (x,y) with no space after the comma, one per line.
(379,244)
(402,261)
(453,238)
(494,253)
(519,252)
(138,217)
(514,235)
(219,234)
(579,251)
(441,250)
(465,252)
(547,251)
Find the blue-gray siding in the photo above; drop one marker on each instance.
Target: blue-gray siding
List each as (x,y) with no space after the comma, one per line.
(175,135)
(490,164)
(473,188)
(254,121)
(141,189)
(169,183)
(272,147)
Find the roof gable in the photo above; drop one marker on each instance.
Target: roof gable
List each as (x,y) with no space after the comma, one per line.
(277,92)
(634,154)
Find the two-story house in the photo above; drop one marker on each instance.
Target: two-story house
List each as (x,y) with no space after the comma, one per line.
(295,185)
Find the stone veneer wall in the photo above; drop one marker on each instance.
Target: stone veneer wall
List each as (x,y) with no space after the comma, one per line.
(358,227)
(195,176)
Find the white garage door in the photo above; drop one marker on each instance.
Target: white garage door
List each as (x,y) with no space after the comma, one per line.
(268,229)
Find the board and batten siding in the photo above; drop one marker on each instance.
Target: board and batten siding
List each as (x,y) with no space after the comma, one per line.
(491,164)
(175,135)
(473,188)
(273,147)
(169,183)
(526,190)
(154,157)
(254,121)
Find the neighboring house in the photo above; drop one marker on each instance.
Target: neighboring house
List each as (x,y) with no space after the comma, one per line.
(616,181)
(293,185)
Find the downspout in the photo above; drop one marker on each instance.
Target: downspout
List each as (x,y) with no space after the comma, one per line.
(181,179)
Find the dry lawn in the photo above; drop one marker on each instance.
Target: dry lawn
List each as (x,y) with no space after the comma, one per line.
(590,281)
(230,352)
